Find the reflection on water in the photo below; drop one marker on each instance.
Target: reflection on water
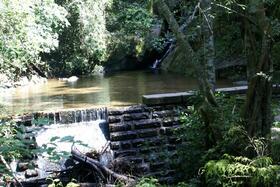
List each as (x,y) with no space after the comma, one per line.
(121,89)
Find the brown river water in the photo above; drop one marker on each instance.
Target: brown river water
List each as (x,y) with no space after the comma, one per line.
(121,89)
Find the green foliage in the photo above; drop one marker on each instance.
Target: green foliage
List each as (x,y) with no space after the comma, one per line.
(221,169)
(3,111)
(14,145)
(129,23)
(49,150)
(12,142)
(195,150)
(241,171)
(276,124)
(27,29)
(41,121)
(259,145)
(55,183)
(84,43)
(159,43)
(229,38)
(148,182)
(191,152)
(275,150)
(276,55)
(58,183)
(152,182)
(129,18)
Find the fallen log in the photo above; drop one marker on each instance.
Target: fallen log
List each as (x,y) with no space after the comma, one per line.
(34,182)
(97,166)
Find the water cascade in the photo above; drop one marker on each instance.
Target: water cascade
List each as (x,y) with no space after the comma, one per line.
(85,129)
(155,64)
(68,117)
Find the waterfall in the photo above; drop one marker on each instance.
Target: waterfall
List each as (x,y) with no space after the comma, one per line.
(54,118)
(83,115)
(69,117)
(155,64)
(88,126)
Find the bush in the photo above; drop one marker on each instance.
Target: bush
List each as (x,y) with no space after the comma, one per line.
(241,171)
(196,149)
(148,182)
(27,29)
(83,44)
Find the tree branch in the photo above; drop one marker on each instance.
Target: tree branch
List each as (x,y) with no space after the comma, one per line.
(77,155)
(10,169)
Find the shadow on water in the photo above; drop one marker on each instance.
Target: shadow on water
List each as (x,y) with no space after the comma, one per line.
(121,89)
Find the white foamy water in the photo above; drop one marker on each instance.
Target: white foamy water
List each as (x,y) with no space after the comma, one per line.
(88,133)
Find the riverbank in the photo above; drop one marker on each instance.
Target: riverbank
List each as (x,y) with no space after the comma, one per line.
(7,83)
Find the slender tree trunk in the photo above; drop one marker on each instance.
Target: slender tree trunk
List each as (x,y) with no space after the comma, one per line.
(208,42)
(204,85)
(151,6)
(184,44)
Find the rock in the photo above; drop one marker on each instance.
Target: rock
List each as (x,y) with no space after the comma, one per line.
(22,166)
(72,79)
(177,62)
(31,173)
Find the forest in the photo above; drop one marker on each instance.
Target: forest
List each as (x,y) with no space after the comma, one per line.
(64,57)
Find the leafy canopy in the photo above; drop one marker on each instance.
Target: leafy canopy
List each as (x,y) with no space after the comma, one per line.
(27,29)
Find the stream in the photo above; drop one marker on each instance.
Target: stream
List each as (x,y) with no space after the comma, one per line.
(121,89)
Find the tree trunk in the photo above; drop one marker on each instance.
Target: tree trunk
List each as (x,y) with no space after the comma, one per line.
(184,44)
(208,42)
(151,6)
(257,110)
(204,85)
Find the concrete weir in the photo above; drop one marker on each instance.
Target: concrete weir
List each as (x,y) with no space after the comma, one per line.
(141,136)
(182,97)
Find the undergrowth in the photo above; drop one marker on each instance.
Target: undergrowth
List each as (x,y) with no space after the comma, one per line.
(241,171)
(235,160)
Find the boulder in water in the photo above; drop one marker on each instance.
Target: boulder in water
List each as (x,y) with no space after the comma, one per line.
(31,173)
(72,79)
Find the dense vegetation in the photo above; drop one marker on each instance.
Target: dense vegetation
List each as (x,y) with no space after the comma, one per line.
(227,141)
(27,30)
(63,38)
